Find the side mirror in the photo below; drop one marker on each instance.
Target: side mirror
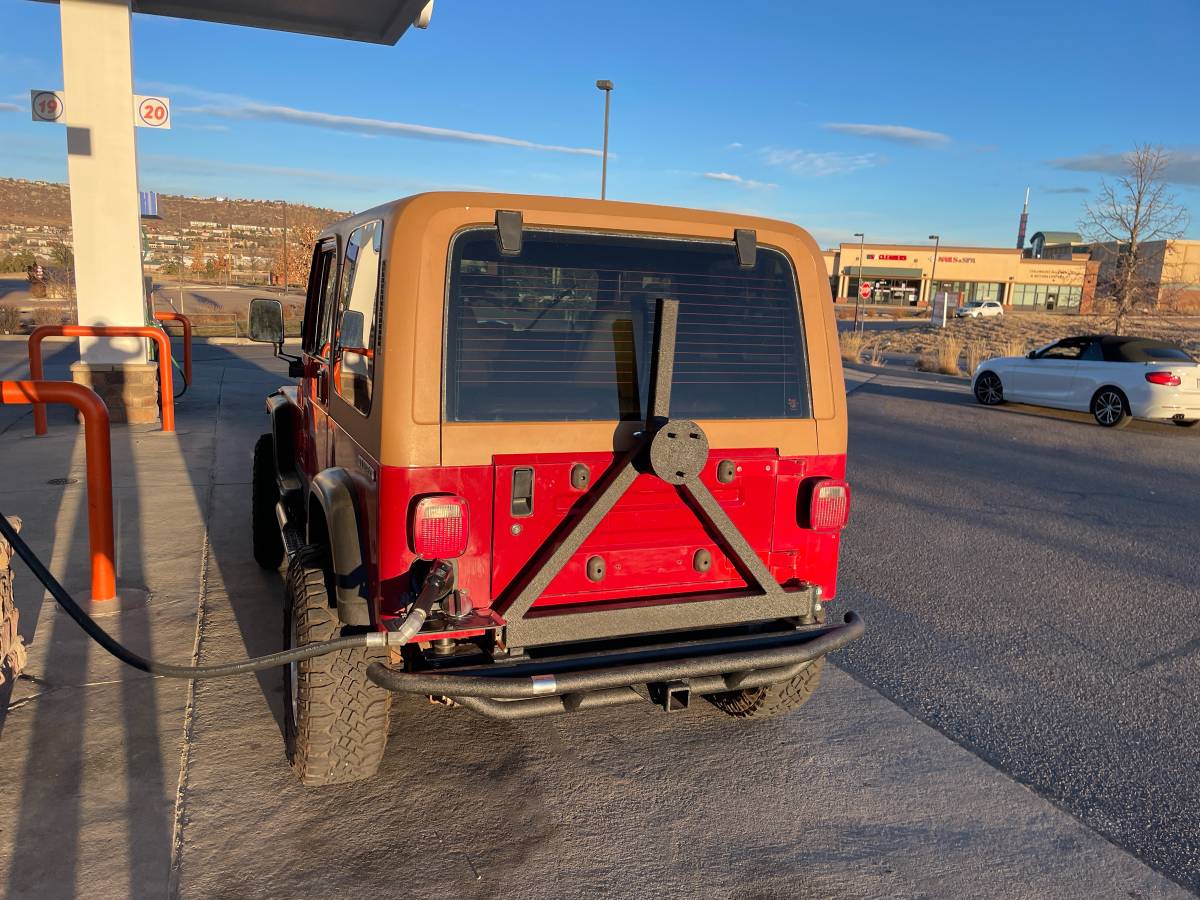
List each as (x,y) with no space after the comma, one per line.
(350,332)
(1032,354)
(266,321)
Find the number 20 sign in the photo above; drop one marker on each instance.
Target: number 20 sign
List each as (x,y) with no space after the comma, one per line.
(152,112)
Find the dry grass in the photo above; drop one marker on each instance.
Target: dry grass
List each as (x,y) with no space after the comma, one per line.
(975,356)
(853,343)
(875,353)
(1013,347)
(1013,334)
(948,352)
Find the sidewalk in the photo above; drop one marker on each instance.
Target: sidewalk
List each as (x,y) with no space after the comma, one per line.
(119,785)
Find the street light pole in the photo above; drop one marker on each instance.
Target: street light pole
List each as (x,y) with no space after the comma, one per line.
(285,250)
(181,260)
(937,241)
(606,86)
(858,293)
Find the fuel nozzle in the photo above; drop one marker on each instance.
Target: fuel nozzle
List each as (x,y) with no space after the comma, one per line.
(438,583)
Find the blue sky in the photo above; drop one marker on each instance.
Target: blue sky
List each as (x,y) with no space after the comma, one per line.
(898,120)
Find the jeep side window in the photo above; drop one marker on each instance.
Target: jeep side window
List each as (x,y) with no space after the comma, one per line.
(354,357)
(321,284)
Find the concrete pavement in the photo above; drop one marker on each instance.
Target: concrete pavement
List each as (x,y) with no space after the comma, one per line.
(118,785)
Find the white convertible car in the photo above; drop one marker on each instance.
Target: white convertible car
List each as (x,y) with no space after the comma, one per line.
(1116,379)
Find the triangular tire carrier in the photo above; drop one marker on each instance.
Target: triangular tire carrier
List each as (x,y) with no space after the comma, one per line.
(675,450)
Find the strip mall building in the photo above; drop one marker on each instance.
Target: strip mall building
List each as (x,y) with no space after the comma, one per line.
(910,275)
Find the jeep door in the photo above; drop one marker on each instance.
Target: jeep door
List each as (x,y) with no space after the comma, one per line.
(314,391)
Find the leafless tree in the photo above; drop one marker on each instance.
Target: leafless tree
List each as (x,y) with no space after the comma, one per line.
(1133,208)
(302,234)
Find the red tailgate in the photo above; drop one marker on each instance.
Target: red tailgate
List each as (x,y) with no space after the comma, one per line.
(647,544)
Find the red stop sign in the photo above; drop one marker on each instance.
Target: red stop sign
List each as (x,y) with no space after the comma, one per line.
(865,291)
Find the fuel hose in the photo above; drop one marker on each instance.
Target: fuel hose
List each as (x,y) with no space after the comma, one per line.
(432,589)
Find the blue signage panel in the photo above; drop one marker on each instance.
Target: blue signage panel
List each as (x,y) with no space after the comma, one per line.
(148,201)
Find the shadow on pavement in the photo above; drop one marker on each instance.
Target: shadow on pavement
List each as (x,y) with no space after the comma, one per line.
(95,800)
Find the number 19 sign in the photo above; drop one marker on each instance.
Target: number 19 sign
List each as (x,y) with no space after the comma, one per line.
(47,106)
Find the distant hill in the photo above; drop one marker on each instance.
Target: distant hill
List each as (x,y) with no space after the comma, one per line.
(47,203)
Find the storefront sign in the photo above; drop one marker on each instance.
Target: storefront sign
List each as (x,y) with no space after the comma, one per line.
(886,256)
(1045,274)
(956,259)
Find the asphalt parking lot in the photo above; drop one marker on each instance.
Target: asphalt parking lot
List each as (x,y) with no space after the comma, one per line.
(1031,581)
(1019,721)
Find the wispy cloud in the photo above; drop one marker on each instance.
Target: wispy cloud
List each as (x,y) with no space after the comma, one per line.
(232,106)
(815,164)
(1183,166)
(734,145)
(748,183)
(1077,189)
(177,165)
(203,126)
(896,134)
(171,165)
(9,107)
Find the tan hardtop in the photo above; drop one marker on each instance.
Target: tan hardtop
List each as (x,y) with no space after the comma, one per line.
(405,425)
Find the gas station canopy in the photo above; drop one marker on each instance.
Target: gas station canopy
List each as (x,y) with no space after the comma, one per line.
(371,21)
(102,149)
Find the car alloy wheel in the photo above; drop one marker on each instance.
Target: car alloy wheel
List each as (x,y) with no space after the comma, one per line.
(1108,408)
(988,389)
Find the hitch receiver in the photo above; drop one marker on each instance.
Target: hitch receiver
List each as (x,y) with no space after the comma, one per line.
(672,696)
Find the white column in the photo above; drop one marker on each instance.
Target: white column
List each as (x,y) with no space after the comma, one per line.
(102,167)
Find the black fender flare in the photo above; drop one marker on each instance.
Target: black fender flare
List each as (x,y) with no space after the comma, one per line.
(333,490)
(283,413)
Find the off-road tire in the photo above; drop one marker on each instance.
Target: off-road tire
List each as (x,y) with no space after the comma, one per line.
(265,537)
(773,699)
(337,726)
(1107,411)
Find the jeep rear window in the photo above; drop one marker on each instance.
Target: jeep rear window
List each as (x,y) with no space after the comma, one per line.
(563,331)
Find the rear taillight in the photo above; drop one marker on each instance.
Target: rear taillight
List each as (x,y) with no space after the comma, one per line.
(1168,378)
(829,505)
(439,527)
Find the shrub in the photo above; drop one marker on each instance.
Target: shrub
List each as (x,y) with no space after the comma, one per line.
(10,320)
(852,343)
(51,315)
(875,353)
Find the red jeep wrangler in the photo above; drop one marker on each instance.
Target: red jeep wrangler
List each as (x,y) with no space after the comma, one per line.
(562,454)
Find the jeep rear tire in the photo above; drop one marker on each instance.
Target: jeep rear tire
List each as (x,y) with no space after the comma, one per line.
(772,699)
(265,537)
(335,719)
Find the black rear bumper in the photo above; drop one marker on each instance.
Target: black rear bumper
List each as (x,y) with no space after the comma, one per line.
(542,688)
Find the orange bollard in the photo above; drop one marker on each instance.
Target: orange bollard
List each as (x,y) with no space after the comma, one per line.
(98,452)
(187,340)
(165,387)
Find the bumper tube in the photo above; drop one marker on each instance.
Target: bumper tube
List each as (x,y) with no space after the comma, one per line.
(501,697)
